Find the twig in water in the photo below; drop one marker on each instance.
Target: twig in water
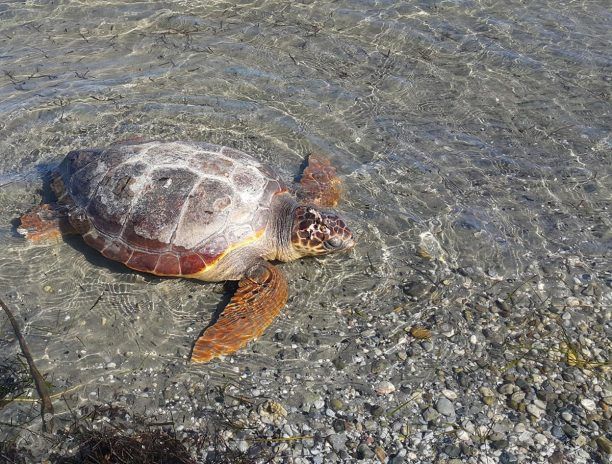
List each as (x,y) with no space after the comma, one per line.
(45,399)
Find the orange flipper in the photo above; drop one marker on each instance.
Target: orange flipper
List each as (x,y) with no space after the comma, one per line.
(259,298)
(45,222)
(320,185)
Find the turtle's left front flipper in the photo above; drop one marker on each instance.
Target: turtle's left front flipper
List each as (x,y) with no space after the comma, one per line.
(320,185)
(259,298)
(46,222)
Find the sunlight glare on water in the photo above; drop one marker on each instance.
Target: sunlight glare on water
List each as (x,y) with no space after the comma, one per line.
(472,139)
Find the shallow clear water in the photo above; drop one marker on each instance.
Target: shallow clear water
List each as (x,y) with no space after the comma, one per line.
(473,139)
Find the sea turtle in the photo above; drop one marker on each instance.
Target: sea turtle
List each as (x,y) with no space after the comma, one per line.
(200,211)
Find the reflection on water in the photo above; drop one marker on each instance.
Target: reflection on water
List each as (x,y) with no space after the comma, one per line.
(472,139)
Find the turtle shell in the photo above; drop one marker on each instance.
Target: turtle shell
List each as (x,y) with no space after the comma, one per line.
(169,208)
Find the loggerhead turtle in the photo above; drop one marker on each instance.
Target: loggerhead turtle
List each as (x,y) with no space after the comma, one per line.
(200,211)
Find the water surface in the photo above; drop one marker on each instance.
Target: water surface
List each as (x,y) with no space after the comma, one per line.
(473,139)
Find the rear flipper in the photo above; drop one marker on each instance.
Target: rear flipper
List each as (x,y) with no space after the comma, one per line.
(45,222)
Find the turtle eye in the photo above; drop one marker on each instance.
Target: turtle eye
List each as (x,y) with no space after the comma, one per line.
(334,242)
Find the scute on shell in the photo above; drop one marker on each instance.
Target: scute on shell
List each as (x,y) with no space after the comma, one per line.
(170,208)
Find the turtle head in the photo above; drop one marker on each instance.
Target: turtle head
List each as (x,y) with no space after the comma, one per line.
(317,233)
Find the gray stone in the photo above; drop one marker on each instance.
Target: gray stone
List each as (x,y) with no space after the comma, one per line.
(557,458)
(377,410)
(337,441)
(417,289)
(507,458)
(534,411)
(452,451)
(339,364)
(378,366)
(570,431)
(243,446)
(557,432)
(430,414)
(339,425)
(499,444)
(364,452)
(588,404)
(506,389)
(300,338)
(445,407)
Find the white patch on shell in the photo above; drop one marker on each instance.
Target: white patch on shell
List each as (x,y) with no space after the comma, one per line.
(233,203)
(248,182)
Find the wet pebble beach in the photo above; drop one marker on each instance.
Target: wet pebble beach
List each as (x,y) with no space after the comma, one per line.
(470,324)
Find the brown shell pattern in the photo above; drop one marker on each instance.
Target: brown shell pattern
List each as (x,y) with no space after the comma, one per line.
(170,208)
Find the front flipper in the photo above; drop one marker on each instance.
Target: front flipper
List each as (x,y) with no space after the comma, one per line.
(261,294)
(320,184)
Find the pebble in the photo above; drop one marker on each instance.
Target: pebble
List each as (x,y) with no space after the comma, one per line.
(499,444)
(243,446)
(417,289)
(488,396)
(451,395)
(430,414)
(557,458)
(569,431)
(588,404)
(336,404)
(445,407)
(337,441)
(540,438)
(385,388)
(364,452)
(507,458)
(604,445)
(380,454)
(557,432)
(539,403)
(452,451)
(271,412)
(507,389)
(581,440)
(534,411)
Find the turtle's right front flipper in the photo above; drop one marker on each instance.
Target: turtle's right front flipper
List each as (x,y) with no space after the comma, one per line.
(259,298)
